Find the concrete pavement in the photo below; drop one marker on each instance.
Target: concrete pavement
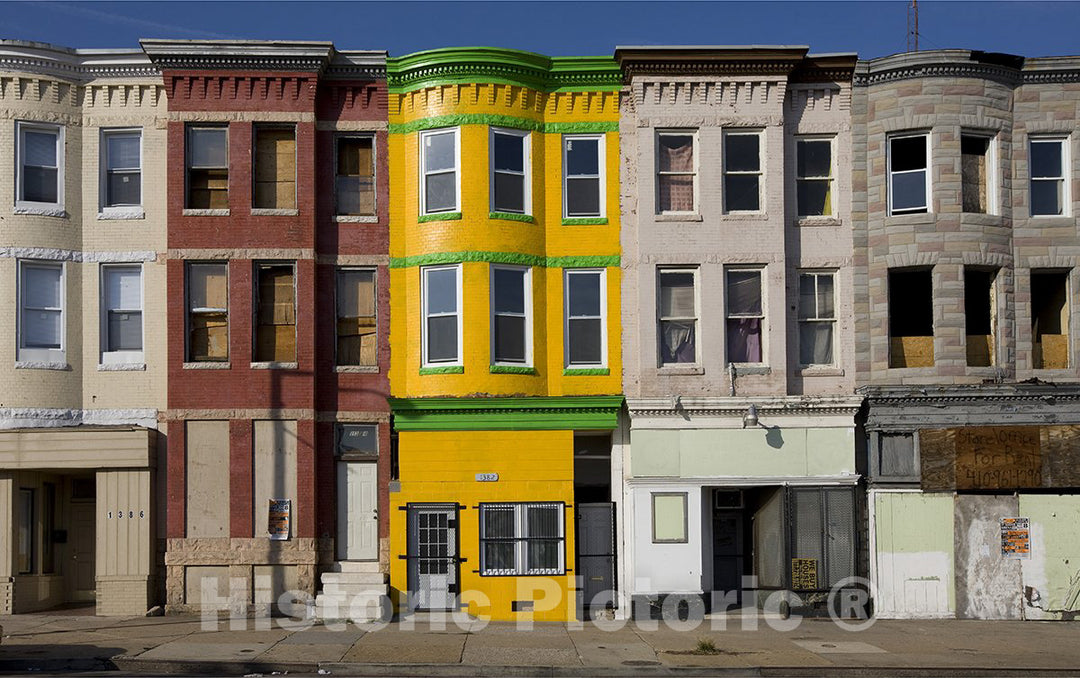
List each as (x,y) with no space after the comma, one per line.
(181,644)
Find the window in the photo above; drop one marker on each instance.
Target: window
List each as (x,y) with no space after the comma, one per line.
(41,312)
(909,182)
(509,171)
(511,312)
(208,312)
(442,309)
(275,313)
(676,173)
(1049,190)
(1050,319)
(26,550)
(585,332)
(40,165)
(356,328)
(911,318)
(979,316)
(207,168)
(583,182)
(814,177)
(121,168)
(678,316)
(275,168)
(357,440)
(122,325)
(817,318)
(438,166)
(355,176)
(742,172)
(522,539)
(975,168)
(745,315)
(669,518)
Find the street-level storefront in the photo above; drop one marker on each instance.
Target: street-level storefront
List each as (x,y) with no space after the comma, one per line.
(486,504)
(726,510)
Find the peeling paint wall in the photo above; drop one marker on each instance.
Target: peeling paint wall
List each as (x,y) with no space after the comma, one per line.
(913,532)
(987,585)
(1051,577)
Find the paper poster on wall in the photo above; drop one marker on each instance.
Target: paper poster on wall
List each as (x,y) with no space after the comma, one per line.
(803,574)
(278,523)
(1015,538)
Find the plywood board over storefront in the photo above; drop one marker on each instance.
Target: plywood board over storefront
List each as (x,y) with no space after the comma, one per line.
(1000,457)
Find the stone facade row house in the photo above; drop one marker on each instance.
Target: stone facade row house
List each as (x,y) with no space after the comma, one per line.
(293,329)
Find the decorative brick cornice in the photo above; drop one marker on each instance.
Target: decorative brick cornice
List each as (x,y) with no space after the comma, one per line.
(682,61)
(80,65)
(245,55)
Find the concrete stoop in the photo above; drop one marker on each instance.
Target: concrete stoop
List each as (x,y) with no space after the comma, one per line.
(353,590)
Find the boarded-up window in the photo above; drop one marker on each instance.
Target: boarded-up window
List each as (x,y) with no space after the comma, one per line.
(275,313)
(979,316)
(356,317)
(974,152)
(275,472)
(1050,319)
(207,478)
(208,168)
(896,456)
(355,176)
(208,312)
(911,319)
(275,168)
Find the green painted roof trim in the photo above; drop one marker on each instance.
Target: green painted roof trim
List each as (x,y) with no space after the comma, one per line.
(460,65)
(513,258)
(512,216)
(512,369)
(443,369)
(584,221)
(586,372)
(510,121)
(506,414)
(440,216)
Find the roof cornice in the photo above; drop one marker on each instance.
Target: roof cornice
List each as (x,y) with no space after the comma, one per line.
(970,394)
(246,55)
(74,64)
(506,414)
(677,406)
(737,60)
(1008,69)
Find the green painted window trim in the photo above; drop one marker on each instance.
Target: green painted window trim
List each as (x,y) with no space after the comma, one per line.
(512,369)
(510,121)
(584,221)
(439,216)
(512,258)
(506,414)
(586,372)
(511,216)
(443,369)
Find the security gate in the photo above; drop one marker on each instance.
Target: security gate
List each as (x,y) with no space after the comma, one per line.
(596,553)
(432,556)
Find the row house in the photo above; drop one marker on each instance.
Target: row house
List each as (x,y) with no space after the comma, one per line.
(740,472)
(966,252)
(82,286)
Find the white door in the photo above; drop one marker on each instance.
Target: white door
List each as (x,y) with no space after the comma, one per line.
(358,511)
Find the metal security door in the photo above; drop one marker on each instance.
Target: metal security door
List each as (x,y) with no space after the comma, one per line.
(432,555)
(596,553)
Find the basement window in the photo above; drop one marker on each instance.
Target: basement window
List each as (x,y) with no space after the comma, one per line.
(911,318)
(275,313)
(909,182)
(208,312)
(979,316)
(275,168)
(975,173)
(208,168)
(1050,319)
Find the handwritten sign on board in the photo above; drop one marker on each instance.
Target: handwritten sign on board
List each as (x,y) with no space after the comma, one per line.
(278,522)
(804,574)
(1015,538)
(998,458)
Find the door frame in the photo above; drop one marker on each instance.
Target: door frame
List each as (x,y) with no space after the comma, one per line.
(454,567)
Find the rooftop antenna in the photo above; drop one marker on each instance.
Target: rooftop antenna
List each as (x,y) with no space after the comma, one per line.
(913,26)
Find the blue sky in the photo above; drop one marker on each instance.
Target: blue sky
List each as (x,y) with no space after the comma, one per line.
(871,28)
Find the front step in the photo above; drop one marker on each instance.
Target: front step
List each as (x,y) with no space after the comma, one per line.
(353,590)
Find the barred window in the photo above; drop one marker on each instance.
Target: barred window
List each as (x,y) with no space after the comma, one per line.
(522,539)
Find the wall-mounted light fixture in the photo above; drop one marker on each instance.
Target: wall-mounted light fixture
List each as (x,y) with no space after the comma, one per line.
(750,419)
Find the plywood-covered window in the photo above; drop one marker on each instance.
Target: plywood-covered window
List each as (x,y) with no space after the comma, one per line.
(275,168)
(208,312)
(275,313)
(1050,319)
(355,176)
(911,318)
(207,168)
(356,329)
(979,316)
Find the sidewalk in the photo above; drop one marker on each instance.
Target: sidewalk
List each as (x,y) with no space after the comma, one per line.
(178,644)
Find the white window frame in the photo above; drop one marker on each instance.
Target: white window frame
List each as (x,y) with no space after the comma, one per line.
(117,211)
(831,139)
(693,134)
(763,316)
(800,321)
(927,206)
(374,175)
(991,170)
(457,362)
(760,173)
(602,272)
(528,315)
(660,318)
(34,354)
(424,135)
(521,539)
(1066,199)
(33,206)
(601,177)
(526,175)
(120,357)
